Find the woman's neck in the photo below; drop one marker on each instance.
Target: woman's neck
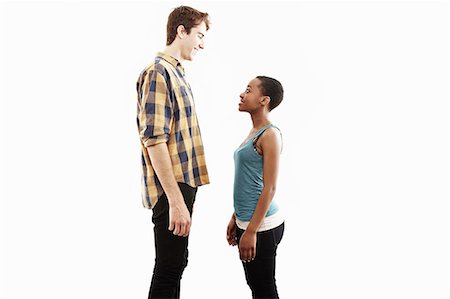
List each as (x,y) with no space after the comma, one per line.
(260,121)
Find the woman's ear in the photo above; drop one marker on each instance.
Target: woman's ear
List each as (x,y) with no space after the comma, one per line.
(265,100)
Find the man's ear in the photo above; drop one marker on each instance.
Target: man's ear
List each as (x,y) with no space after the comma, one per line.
(181,31)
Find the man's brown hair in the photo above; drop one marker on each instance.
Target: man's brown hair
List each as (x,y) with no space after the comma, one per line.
(186,16)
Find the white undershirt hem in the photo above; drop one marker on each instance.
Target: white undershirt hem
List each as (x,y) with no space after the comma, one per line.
(269,222)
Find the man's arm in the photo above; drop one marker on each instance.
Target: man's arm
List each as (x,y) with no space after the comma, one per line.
(154,127)
(179,218)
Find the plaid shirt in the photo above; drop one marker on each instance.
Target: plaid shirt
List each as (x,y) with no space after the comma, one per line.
(166,113)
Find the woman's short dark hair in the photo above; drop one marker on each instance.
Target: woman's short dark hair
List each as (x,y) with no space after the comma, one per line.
(186,16)
(272,88)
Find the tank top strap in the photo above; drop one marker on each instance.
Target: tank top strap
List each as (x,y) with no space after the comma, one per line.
(260,131)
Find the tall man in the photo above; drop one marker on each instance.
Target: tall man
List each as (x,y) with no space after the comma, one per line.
(173,159)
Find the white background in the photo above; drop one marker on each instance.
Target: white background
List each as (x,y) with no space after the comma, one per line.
(364,173)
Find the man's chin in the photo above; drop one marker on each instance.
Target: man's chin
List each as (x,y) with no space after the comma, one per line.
(193,55)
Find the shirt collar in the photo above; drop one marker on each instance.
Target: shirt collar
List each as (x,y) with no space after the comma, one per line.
(173,61)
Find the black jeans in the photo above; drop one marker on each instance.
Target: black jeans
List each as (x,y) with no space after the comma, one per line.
(171,251)
(260,273)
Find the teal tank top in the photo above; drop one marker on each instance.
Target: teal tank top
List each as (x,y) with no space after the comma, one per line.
(248,179)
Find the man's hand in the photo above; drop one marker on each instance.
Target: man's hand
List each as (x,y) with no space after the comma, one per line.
(179,219)
(247,246)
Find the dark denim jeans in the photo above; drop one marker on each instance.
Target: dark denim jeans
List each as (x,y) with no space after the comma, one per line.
(260,273)
(171,251)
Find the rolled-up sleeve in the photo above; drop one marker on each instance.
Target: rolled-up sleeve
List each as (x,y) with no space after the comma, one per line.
(155,111)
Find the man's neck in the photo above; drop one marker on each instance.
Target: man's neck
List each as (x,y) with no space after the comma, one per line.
(174,51)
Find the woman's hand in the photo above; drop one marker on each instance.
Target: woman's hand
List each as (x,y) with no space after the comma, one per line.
(231,232)
(247,246)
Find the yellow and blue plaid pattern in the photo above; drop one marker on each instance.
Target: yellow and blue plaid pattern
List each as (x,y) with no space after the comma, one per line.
(166,113)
